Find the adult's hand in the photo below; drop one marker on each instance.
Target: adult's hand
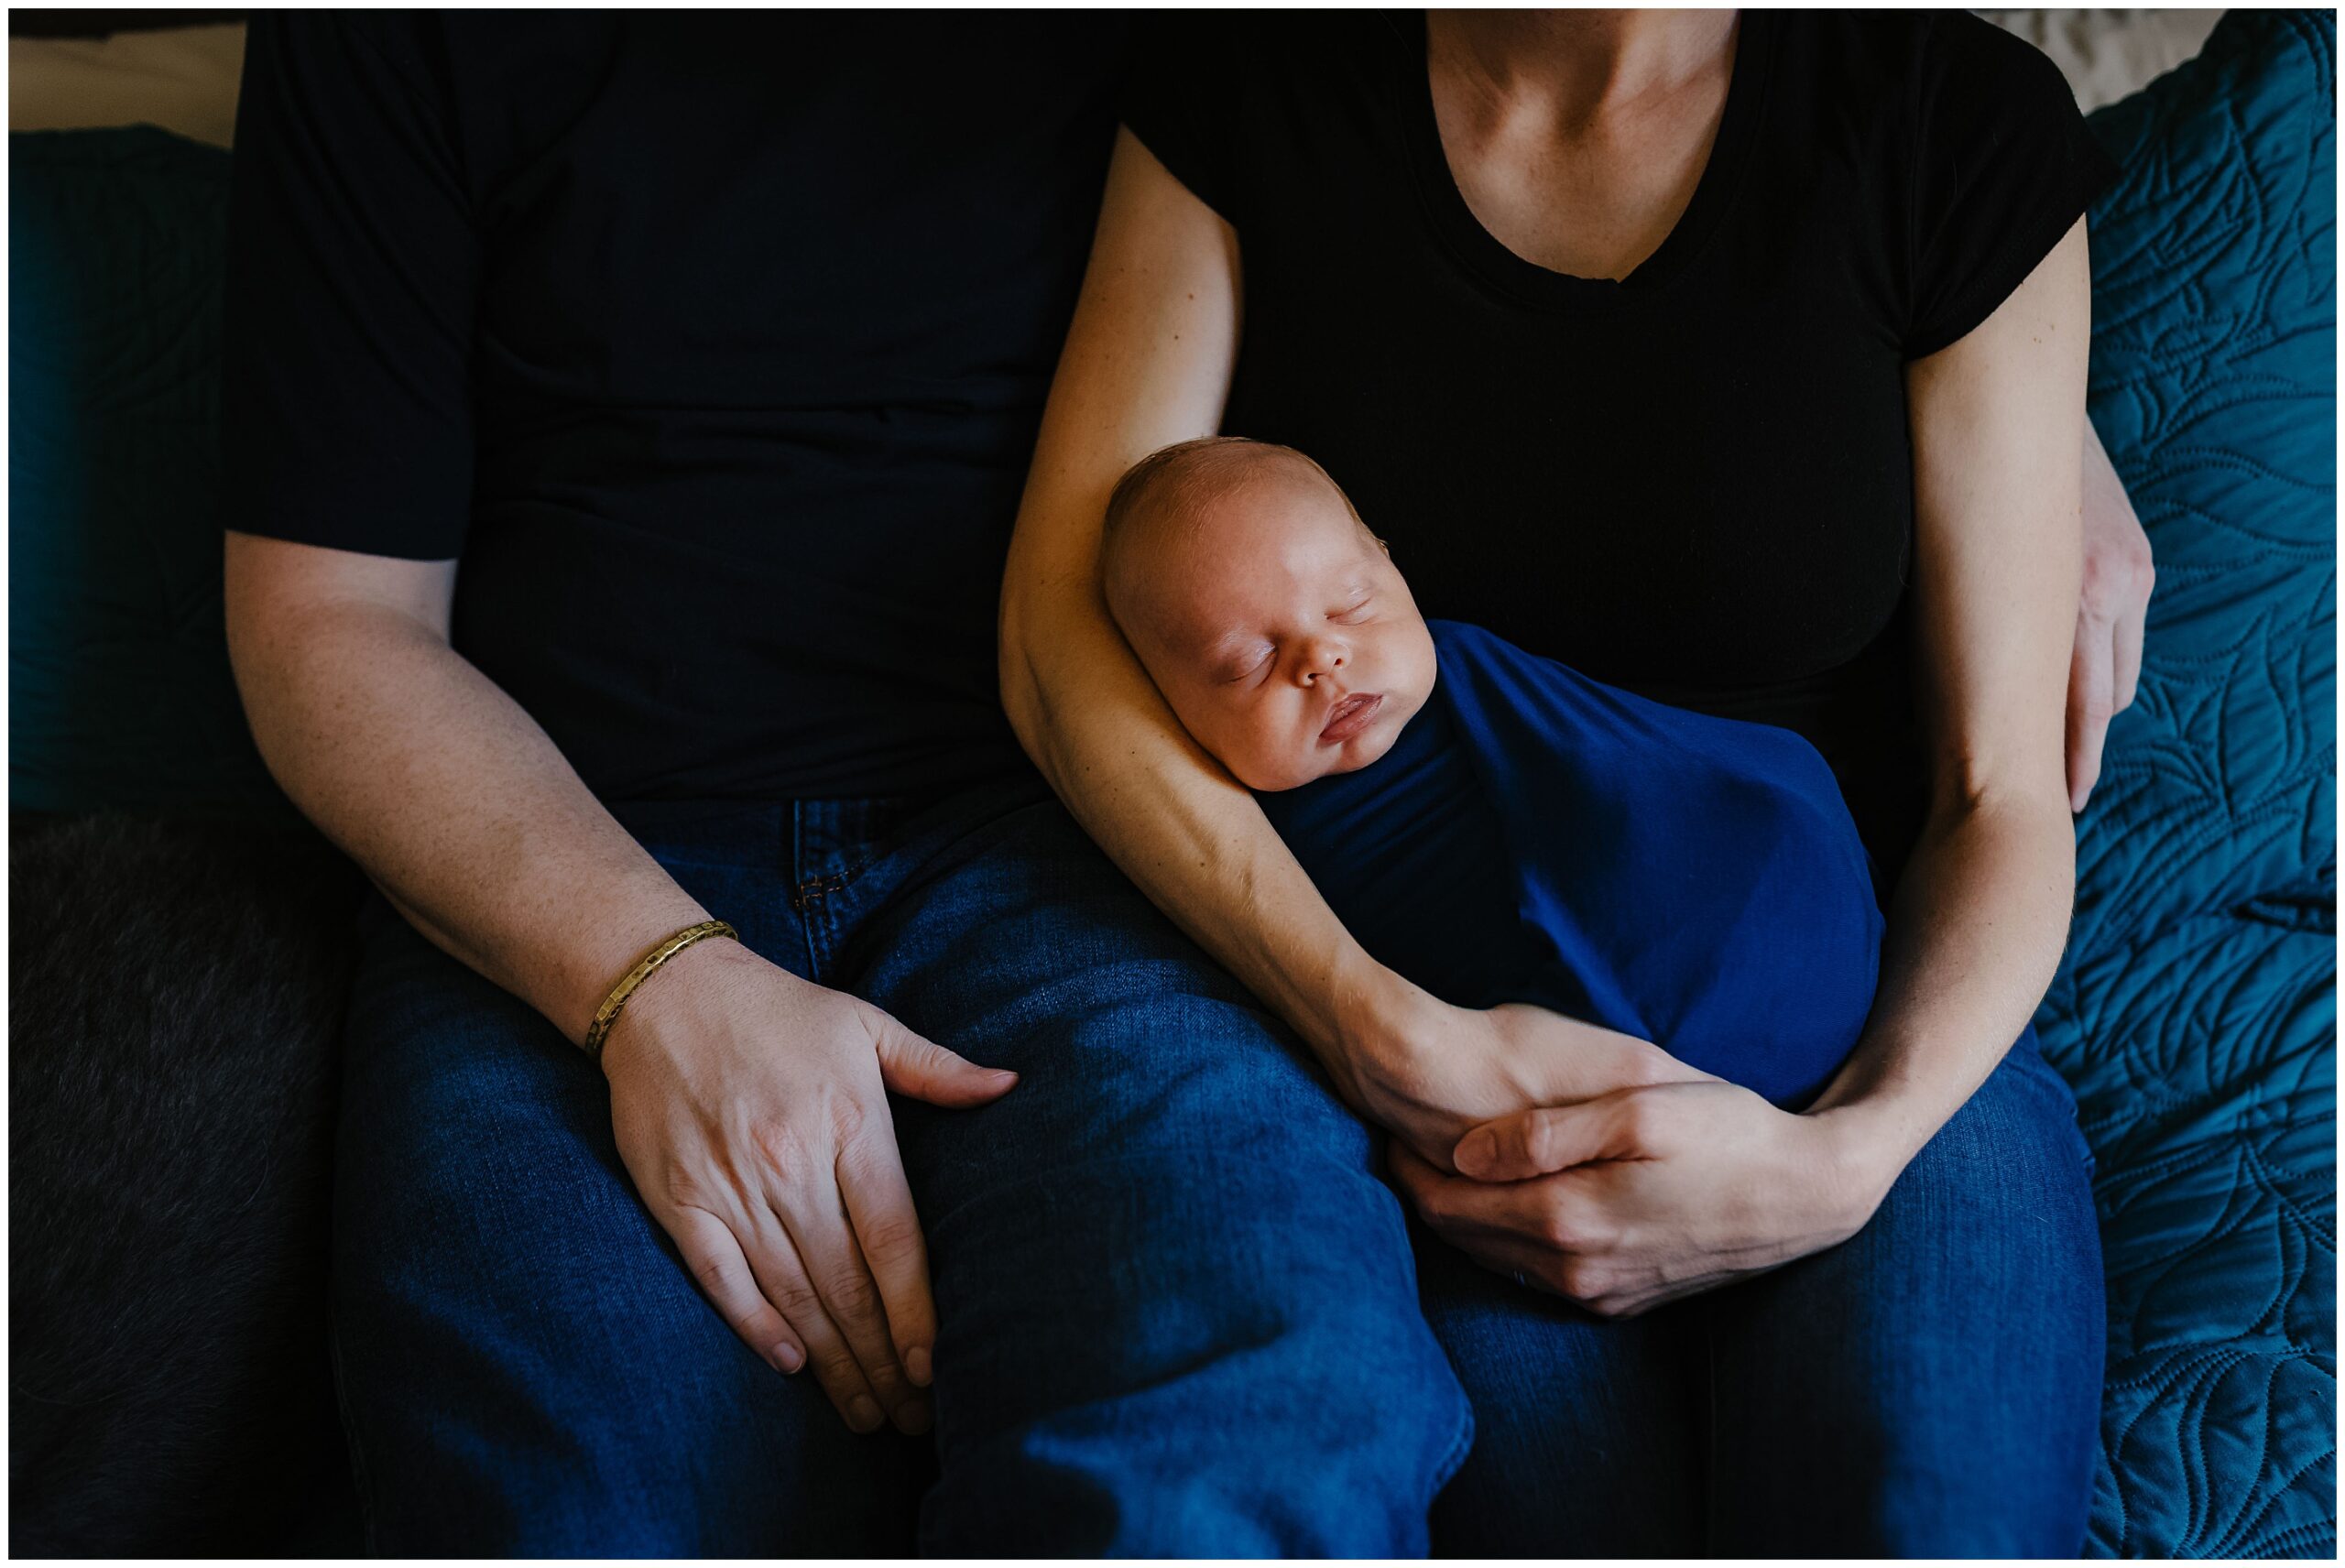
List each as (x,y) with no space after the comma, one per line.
(750,1107)
(1429,1072)
(1644,1195)
(2106,665)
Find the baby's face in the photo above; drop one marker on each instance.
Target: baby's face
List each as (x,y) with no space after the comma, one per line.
(1280,632)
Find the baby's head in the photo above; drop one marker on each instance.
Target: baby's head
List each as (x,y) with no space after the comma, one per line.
(1268,615)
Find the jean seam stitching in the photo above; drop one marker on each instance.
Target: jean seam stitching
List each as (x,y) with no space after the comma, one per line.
(796,851)
(1455,1460)
(814,889)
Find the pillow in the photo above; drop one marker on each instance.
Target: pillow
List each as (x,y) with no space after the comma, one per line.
(118,683)
(2195,1013)
(2107,54)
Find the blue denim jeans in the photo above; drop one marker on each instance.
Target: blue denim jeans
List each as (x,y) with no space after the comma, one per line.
(1179,1314)
(1930,1387)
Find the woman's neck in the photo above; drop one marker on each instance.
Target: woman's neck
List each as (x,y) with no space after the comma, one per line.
(1571,70)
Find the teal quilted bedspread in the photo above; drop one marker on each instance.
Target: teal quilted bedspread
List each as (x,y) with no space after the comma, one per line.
(2196,1015)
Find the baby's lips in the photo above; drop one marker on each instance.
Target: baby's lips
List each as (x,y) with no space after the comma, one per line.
(1351,715)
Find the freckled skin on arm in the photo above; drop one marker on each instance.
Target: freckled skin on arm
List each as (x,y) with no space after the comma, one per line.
(463,812)
(1148,362)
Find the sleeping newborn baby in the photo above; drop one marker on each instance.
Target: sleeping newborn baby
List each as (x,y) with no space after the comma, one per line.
(1496,826)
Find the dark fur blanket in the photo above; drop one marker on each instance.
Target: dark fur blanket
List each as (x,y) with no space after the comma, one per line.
(176,992)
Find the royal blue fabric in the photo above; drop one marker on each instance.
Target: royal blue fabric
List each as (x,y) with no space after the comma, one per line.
(1536,835)
(2196,1015)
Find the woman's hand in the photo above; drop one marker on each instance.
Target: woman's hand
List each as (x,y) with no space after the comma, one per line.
(750,1107)
(1429,1072)
(1643,1195)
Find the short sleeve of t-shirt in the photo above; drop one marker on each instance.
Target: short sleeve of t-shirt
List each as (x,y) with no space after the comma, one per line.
(2004,165)
(1185,102)
(353,277)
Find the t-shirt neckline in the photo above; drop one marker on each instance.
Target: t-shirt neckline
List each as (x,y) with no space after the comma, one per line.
(1525,281)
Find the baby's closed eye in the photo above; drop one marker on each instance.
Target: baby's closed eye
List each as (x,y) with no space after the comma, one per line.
(1229,672)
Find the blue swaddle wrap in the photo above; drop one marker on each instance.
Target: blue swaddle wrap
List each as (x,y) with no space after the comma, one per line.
(1535,835)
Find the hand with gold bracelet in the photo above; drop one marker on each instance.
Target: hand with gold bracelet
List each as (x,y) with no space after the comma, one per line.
(748,1105)
(751,1108)
(606,1015)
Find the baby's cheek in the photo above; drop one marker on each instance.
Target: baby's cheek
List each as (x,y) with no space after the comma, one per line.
(1268,765)
(1225,729)
(1255,749)
(1297,759)
(1423,665)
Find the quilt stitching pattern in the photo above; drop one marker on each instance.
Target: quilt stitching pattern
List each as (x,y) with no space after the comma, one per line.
(2194,1014)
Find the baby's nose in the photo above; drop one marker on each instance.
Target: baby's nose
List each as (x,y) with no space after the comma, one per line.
(1322,659)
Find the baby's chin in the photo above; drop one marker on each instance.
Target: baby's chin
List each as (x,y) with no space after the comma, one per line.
(1319,762)
(1364,750)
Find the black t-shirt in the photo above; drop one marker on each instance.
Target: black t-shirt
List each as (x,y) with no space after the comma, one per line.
(712,344)
(1694,483)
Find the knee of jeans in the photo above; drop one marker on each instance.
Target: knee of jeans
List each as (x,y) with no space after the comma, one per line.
(1112,1064)
(2027,1058)
(1226,1326)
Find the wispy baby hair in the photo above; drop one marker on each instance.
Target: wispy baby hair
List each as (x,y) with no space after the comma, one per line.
(1176,480)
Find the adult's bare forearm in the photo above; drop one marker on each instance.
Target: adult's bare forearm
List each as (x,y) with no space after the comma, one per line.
(1976,929)
(1191,838)
(1148,362)
(457,805)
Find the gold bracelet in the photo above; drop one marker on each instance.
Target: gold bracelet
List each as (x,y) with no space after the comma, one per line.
(608,1013)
